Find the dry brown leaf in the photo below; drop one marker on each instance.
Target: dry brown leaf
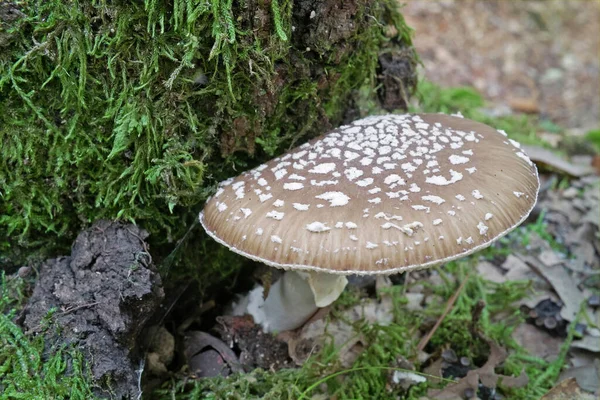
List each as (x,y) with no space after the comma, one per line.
(567,390)
(538,342)
(588,343)
(596,163)
(579,358)
(208,356)
(550,258)
(524,105)
(486,375)
(312,337)
(563,284)
(547,157)
(533,300)
(490,272)
(434,371)
(516,269)
(587,376)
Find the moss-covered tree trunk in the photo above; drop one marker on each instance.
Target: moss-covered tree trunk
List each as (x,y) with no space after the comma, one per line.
(135,109)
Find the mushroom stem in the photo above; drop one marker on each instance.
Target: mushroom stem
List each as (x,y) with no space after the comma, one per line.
(293,299)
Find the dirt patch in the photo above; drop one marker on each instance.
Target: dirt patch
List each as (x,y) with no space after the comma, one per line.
(256,348)
(102,294)
(538,56)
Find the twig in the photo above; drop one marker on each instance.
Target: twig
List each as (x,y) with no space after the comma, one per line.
(476,314)
(406,283)
(449,305)
(72,309)
(144,245)
(68,310)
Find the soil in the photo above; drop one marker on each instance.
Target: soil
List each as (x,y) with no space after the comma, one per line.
(102,294)
(256,348)
(531,56)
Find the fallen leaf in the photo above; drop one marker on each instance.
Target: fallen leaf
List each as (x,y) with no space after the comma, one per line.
(578,358)
(434,370)
(596,163)
(422,357)
(588,342)
(548,158)
(562,283)
(312,337)
(567,390)
(587,376)
(208,356)
(550,258)
(586,232)
(486,375)
(490,272)
(537,342)
(581,245)
(525,105)
(517,270)
(533,300)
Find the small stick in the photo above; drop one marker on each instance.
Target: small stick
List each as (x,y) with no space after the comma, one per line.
(75,308)
(449,305)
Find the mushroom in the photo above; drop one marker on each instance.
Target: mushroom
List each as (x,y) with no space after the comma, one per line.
(382,195)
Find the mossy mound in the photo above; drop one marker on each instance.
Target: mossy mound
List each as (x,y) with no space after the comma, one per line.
(134,110)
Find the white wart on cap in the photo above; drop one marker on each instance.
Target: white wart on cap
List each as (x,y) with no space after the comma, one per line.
(384,194)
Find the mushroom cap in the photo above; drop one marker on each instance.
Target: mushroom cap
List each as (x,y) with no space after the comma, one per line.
(382,195)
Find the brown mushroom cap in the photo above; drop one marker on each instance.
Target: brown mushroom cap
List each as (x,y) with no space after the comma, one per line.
(384,194)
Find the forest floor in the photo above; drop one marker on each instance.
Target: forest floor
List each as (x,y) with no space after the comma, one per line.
(538,57)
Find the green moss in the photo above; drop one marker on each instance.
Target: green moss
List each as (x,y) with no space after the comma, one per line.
(134,110)
(26,372)
(593,137)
